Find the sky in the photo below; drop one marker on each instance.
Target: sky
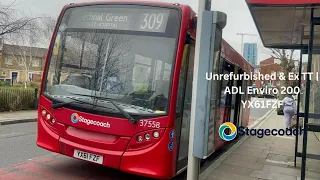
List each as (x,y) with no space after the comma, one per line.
(239,19)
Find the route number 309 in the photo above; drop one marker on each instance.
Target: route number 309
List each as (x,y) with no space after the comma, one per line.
(149,124)
(152,21)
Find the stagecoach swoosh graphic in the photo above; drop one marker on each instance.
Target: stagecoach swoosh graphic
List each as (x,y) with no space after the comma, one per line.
(74,117)
(225,126)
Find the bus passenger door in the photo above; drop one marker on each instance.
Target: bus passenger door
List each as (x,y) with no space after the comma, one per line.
(225,102)
(237,99)
(183,108)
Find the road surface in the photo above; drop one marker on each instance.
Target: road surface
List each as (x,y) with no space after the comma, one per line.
(21,159)
(18,144)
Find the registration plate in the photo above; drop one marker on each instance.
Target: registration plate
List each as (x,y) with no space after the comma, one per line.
(88,156)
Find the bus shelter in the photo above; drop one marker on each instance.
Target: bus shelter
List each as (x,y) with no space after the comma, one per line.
(295,24)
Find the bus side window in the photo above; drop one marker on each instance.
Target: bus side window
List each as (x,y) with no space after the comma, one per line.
(188,93)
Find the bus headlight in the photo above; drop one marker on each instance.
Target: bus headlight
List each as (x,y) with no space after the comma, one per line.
(49,119)
(147,136)
(43,112)
(156,134)
(145,139)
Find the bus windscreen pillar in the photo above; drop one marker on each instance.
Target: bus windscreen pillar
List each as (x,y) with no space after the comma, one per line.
(206,102)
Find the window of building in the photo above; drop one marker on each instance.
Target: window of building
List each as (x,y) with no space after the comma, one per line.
(36,63)
(3,73)
(8,60)
(30,76)
(21,62)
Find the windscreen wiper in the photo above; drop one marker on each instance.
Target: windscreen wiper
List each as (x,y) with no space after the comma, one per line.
(63,104)
(58,105)
(130,118)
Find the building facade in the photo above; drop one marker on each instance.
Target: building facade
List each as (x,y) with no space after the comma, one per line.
(250,53)
(20,64)
(271,66)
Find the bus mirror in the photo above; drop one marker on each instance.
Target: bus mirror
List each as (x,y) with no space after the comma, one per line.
(194,23)
(220,19)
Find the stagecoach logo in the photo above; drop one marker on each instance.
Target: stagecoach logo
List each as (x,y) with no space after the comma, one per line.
(75,118)
(225,126)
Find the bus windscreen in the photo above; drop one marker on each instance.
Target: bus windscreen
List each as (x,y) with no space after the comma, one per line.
(118,52)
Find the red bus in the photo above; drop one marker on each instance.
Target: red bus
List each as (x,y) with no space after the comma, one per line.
(117,86)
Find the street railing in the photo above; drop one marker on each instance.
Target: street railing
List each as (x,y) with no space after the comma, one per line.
(15,99)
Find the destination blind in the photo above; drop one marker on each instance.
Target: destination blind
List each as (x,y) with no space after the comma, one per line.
(148,20)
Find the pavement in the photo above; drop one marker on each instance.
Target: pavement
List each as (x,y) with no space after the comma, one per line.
(267,158)
(17,117)
(256,112)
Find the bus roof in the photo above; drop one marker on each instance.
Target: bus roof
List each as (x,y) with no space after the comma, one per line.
(234,57)
(284,2)
(280,22)
(130,2)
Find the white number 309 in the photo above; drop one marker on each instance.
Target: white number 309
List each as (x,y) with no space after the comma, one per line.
(152,21)
(149,124)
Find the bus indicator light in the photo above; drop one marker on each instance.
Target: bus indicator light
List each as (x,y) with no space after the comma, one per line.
(171,134)
(170,146)
(139,139)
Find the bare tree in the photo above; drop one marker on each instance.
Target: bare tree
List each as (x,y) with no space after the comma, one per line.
(23,47)
(46,24)
(113,66)
(11,20)
(286,58)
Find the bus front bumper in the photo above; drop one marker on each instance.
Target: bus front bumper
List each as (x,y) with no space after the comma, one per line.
(155,162)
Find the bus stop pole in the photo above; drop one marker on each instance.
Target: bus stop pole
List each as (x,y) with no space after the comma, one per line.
(194,162)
